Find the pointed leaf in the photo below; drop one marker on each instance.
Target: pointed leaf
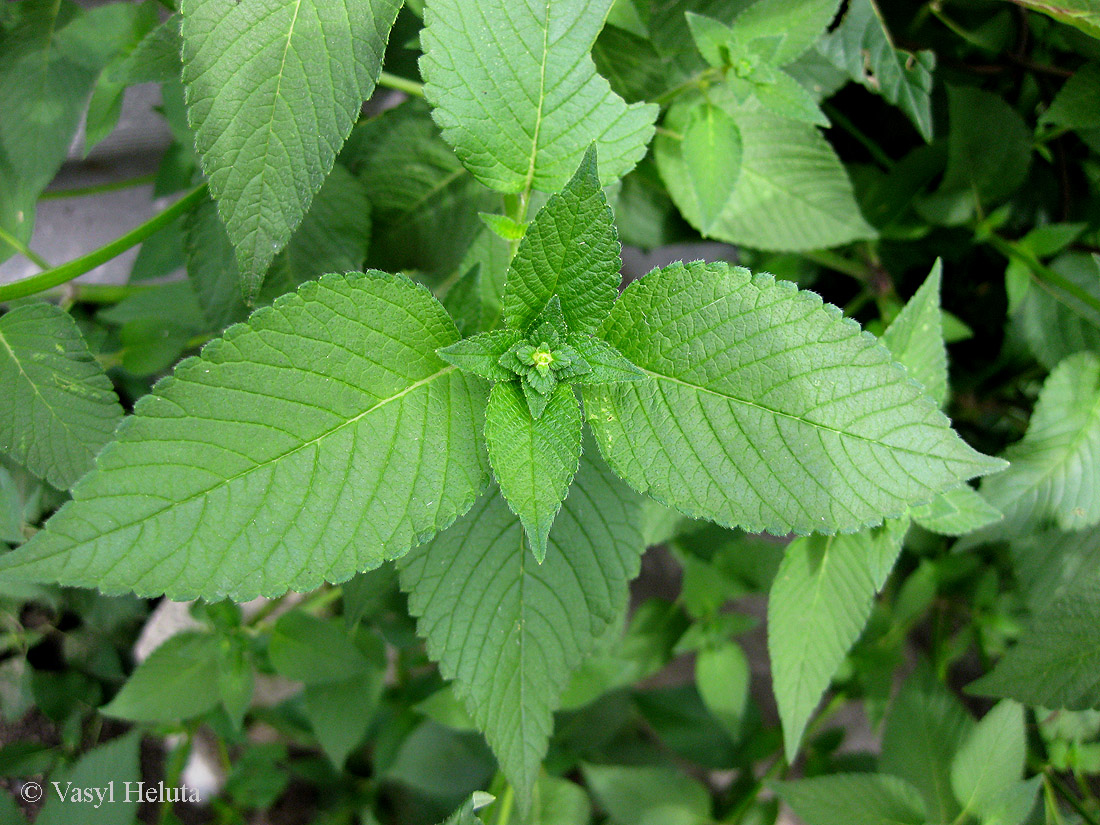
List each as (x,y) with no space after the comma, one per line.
(632,794)
(516,93)
(173,684)
(481,353)
(861,46)
(841,799)
(117,761)
(533,461)
(571,250)
(786,97)
(916,337)
(792,192)
(991,759)
(606,364)
(712,158)
(956,512)
(819,603)
(1054,478)
(765,408)
(58,407)
(797,26)
(510,632)
(281,456)
(273,89)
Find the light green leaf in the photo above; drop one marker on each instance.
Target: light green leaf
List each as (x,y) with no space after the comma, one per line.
(786,97)
(480,354)
(425,204)
(570,250)
(234,676)
(557,802)
(1015,805)
(722,677)
(607,364)
(795,26)
(463,303)
(861,46)
(630,795)
(510,632)
(1054,477)
(533,461)
(516,93)
(1084,14)
(115,762)
(956,512)
(273,89)
(792,193)
(466,814)
(991,759)
(819,603)
(156,59)
(314,651)
(58,407)
(924,728)
(766,409)
(841,799)
(712,159)
(916,337)
(281,456)
(1056,662)
(173,684)
(1053,326)
(1077,104)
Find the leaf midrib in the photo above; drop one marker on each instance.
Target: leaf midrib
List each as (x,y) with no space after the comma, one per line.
(311,442)
(662,377)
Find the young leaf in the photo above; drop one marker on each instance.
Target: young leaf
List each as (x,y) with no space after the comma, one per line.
(1075,106)
(510,632)
(58,407)
(916,337)
(273,89)
(481,353)
(533,461)
(792,192)
(606,364)
(521,106)
(712,159)
(819,603)
(235,683)
(722,677)
(116,761)
(861,46)
(570,250)
(646,793)
(1054,477)
(466,815)
(956,512)
(766,409)
(991,759)
(786,97)
(340,712)
(314,651)
(173,684)
(1056,663)
(795,26)
(841,799)
(289,452)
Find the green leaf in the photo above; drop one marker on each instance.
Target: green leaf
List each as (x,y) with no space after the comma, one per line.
(340,713)
(916,337)
(480,354)
(991,759)
(522,107)
(1054,477)
(58,407)
(924,728)
(114,764)
(766,409)
(463,303)
(314,651)
(606,364)
(510,632)
(273,89)
(466,814)
(792,192)
(793,26)
(571,250)
(156,59)
(819,603)
(862,47)
(786,97)
(1056,662)
(173,684)
(1077,104)
(280,457)
(1084,14)
(711,150)
(533,461)
(722,677)
(840,799)
(956,512)
(558,802)
(235,681)
(632,795)
(424,203)
(1053,326)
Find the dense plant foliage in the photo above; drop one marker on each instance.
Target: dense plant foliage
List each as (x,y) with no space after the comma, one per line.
(403,394)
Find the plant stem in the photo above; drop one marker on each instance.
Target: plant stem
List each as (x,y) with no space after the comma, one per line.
(1070,797)
(842,120)
(832,260)
(98,188)
(506,806)
(74,268)
(23,249)
(1046,277)
(401,84)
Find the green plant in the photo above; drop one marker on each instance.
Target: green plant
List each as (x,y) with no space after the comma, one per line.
(401,378)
